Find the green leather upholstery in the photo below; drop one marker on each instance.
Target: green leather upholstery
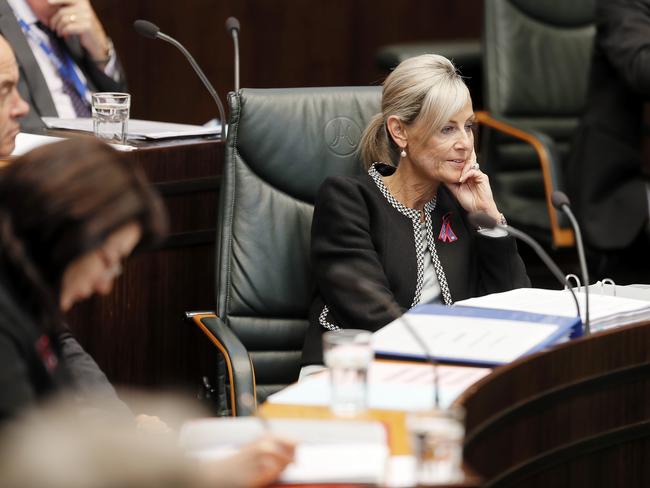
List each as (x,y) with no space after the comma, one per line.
(281,144)
(465,54)
(536,62)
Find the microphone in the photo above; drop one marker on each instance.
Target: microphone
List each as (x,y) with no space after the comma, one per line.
(232,28)
(561,202)
(481,219)
(152,31)
(356,282)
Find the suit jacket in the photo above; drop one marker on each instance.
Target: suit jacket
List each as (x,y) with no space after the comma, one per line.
(30,361)
(357,227)
(32,85)
(604,176)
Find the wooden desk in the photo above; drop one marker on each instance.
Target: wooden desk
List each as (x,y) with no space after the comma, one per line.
(395,422)
(576,415)
(137,334)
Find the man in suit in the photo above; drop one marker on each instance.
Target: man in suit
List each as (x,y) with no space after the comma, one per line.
(606,182)
(63,53)
(12,106)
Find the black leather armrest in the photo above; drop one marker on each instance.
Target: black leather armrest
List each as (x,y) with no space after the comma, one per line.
(241,375)
(550,164)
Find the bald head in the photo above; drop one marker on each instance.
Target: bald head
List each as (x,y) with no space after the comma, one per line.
(12,106)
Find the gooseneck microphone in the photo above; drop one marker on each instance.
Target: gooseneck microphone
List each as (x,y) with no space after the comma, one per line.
(152,31)
(357,283)
(232,28)
(481,219)
(561,202)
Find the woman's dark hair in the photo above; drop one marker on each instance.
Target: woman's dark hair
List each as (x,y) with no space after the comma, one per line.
(59,202)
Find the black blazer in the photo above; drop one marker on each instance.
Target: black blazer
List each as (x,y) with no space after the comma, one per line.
(604,177)
(30,362)
(32,85)
(357,227)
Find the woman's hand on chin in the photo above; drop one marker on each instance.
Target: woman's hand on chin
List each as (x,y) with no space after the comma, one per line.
(473,190)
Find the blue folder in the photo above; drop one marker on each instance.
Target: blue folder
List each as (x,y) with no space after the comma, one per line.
(567,328)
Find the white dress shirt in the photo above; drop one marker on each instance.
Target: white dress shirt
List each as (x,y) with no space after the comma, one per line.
(54,81)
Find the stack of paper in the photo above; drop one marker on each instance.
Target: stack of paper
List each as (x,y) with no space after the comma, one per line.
(138,128)
(328,451)
(473,336)
(392,385)
(604,310)
(26,142)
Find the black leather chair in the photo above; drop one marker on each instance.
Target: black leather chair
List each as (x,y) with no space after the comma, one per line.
(281,144)
(465,53)
(536,62)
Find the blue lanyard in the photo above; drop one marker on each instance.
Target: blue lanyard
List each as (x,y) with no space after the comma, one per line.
(65,68)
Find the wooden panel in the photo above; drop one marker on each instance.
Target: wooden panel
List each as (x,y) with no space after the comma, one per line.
(137,334)
(284,43)
(576,415)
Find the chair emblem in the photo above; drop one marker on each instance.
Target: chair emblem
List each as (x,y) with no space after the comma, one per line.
(342,136)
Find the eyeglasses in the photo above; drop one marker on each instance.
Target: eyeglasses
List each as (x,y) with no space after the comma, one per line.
(113,268)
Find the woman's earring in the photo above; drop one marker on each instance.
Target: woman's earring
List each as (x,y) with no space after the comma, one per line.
(403,153)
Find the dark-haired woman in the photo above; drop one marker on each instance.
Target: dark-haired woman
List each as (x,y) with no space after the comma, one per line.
(70,213)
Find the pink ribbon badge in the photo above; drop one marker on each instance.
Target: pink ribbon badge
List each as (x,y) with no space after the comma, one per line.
(446,233)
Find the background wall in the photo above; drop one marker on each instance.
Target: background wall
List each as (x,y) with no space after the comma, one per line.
(284,43)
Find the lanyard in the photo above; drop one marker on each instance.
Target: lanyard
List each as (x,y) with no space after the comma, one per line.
(65,67)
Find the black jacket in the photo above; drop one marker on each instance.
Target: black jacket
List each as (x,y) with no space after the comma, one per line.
(30,362)
(604,175)
(356,227)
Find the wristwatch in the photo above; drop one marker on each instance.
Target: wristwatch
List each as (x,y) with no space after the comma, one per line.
(110,52)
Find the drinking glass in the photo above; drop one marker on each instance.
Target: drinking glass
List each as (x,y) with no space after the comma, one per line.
(111,116)
(348,354)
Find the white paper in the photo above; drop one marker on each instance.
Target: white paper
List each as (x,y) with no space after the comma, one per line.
(392,385)
(138,128)
(604,310)
(461,338)
(327,450)
(26,142)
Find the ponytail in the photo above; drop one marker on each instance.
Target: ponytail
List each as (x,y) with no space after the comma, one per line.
(375,145)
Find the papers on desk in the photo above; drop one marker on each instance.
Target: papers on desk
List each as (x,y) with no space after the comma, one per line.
(392,385)
(474,336)
(138,129)
(605,311)
(328,451)
(26,142)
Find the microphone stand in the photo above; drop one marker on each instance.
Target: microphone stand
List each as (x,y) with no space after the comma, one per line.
(561,201)
(152,31)
(480,219)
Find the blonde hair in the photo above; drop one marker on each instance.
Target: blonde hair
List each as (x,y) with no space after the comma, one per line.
(426,87)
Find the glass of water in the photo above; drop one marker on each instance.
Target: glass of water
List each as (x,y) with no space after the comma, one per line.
(348,354)
(437,443)
(111,116)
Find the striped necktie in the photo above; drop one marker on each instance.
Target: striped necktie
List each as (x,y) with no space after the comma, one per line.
(80,105)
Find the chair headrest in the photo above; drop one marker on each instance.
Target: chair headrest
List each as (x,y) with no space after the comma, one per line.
(559,12)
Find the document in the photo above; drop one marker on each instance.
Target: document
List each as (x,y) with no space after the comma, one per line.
(26,142)
(469,335)
(138,128)
(392,385)
(328,451)
(605,311)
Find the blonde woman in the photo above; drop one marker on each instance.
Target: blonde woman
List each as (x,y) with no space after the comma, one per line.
(403,225)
